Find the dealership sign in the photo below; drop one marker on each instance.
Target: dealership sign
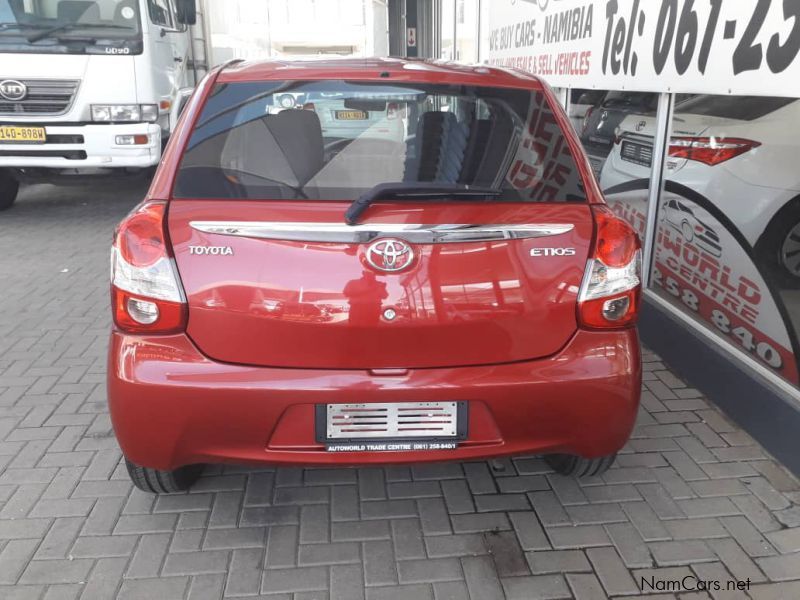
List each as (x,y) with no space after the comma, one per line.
(712,277)
(741,47)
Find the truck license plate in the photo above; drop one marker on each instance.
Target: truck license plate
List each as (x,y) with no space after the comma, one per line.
(22,135)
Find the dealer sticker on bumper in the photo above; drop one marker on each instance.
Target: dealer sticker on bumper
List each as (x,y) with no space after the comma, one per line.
(395,446)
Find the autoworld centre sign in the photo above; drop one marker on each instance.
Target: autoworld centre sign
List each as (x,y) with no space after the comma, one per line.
(740,47)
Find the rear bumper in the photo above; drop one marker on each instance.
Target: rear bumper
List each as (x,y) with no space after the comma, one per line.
(172,406)
(91,147)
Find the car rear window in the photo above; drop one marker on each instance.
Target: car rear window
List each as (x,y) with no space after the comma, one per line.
(336,140)
(742,108)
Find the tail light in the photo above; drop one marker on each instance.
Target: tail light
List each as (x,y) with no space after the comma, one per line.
(611,290)
(146,294)
(709,150)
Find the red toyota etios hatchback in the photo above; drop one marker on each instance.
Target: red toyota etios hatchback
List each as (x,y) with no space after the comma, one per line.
(412,263)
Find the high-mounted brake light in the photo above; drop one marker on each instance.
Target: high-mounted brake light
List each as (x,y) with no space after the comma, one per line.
(710,150)
(611,288)
(146,294)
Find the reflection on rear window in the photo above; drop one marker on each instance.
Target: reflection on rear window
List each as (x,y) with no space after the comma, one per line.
(742,108)
(335,140)
(631,99)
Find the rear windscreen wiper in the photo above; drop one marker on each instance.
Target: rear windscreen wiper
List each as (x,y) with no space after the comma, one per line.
(14,25)
(40,35)
(416,191)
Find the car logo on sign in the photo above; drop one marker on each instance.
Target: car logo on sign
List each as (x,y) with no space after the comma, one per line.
(389,255)
(13,90)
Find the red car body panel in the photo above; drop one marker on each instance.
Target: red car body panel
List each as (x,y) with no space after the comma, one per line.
(172,406)
(240,385)
(307,305)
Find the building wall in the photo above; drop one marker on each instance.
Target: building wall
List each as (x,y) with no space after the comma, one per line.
(255,29)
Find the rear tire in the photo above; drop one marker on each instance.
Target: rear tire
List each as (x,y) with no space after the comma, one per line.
(9,187)
(567,464)
(163,482)
(769,251)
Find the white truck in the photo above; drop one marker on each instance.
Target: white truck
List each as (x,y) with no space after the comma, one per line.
(89,86)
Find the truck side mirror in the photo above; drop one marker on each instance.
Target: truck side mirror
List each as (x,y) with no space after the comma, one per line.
(186,11)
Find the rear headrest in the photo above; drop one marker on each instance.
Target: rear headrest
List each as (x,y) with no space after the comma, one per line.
(299,135)
(74,11)
(495,149)
(433,133)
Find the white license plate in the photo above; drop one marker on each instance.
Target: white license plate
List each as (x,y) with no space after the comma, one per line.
(394,421)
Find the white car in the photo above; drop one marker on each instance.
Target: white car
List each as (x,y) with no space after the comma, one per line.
(736,156)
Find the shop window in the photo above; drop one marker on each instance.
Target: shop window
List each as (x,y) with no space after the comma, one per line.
(611,113)
(485,30)
(727,244)
(580,102)
(467,40)
(603,118)
(448,48)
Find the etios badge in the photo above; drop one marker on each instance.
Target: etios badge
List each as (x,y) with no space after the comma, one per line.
(389,255)
(537,252)
(13,90)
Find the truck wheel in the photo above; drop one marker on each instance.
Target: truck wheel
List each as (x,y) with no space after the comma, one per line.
(9,187)
(163,482)
(567,464)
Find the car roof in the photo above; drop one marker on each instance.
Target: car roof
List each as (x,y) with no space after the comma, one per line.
(378,69)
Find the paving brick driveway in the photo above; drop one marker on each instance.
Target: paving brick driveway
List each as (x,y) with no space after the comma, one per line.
(691,494)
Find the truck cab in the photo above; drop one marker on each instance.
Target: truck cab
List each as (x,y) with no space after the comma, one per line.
(87,86)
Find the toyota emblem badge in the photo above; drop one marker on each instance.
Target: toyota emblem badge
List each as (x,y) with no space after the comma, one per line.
(389,255)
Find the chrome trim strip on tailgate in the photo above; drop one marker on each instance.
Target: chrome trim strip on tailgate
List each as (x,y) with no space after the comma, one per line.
(359,234)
